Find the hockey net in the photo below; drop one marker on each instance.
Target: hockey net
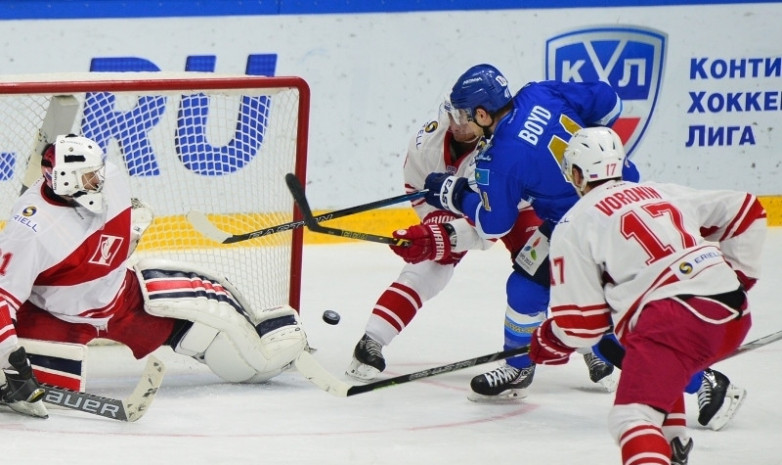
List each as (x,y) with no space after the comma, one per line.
(190,141)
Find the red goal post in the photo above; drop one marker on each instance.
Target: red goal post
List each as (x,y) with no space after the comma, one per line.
(188,141)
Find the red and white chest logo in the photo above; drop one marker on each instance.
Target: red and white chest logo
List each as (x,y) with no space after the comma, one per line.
(107,249)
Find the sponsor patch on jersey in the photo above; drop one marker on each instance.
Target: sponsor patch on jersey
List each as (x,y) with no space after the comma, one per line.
(29,211)
(685,267)
(483,150)
(630,58)
(482,176)
(431,126)
(22,219)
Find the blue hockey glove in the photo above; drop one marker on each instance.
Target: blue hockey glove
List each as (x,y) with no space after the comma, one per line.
(446,192)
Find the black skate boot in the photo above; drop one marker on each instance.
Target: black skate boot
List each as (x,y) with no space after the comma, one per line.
(680,452)
(368,360)
(718,399)
(501,384)
(21,391)
(600,372)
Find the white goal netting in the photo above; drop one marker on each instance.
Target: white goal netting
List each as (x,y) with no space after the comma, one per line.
(220,145)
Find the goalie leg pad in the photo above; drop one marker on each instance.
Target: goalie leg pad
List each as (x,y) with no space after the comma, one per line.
(222,335)
(58,363)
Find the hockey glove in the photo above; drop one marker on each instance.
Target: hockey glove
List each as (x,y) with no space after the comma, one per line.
(427,242)
(546,348)
(446,192)
(442,217)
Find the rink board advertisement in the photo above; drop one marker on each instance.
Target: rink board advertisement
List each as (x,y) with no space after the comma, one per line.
(700,83)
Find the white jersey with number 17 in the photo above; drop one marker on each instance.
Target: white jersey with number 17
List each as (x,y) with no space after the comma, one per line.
(625,244)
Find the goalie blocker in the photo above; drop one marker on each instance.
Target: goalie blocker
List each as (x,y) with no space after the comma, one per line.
(220,331)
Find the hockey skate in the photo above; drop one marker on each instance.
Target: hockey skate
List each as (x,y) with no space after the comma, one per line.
(501,384)
(21,391)
(601,372)
(718,399)
(680,452)
(368,360)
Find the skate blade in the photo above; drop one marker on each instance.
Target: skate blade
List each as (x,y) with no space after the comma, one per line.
(507,396)
(361,372)
(733,400)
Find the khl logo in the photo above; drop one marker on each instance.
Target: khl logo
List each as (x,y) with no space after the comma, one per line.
(629,58)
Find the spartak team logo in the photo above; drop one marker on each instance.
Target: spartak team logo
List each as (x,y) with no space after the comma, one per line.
(629,58)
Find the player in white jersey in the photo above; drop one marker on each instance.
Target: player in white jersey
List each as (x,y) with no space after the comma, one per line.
(440,145)
(667,267)
(64,277)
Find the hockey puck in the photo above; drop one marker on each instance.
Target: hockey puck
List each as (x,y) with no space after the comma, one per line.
(331,317)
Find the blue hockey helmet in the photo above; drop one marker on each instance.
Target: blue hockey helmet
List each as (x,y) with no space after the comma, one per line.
(480,86)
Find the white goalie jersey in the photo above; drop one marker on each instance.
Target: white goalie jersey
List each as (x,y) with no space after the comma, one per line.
(73,266)
(626,244)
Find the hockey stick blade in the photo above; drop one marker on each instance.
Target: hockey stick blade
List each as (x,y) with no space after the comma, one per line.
(297,191)
(129,409)
(320,377)
(201,222)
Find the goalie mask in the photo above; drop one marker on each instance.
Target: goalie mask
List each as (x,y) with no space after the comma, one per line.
(73,166)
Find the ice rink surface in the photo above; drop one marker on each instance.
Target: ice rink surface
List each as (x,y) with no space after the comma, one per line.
(196,419)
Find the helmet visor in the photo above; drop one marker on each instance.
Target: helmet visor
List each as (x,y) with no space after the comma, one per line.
(458,116)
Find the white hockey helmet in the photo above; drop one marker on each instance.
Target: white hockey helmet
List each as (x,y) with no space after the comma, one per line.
(74,167)
(599,154)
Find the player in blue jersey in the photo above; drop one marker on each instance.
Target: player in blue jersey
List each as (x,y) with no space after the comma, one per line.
(528,134)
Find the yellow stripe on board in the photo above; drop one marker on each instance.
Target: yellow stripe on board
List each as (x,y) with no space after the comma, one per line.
(387,220)
(175,232)
(773,206)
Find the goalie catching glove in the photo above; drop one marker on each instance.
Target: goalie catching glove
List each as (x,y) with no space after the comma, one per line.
(430,240)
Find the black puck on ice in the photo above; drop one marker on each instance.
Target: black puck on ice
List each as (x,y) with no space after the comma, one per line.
(331,317)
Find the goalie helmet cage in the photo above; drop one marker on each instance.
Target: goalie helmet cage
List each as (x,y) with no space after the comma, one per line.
(187,141)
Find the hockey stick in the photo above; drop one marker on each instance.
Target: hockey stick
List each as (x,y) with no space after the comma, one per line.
(757,343)
(129,409)
(319,376)
(202,224)
(615,353)
(297,191)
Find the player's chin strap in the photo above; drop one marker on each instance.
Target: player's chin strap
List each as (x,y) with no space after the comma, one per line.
(233,344)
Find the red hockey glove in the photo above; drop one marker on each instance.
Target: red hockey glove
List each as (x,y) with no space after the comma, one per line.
(546,348)
(439,217)
(427,242)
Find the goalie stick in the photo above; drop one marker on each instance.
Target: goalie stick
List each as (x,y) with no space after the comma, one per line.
(202,224)
(297,191)
(319,376)
(129,409)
